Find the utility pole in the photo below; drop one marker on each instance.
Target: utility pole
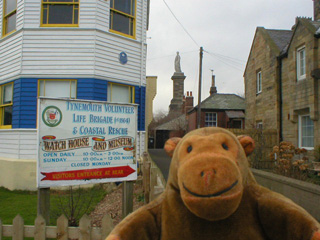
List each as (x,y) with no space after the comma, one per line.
(199,90)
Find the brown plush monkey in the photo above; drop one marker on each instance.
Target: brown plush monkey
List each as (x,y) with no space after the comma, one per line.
(212,194)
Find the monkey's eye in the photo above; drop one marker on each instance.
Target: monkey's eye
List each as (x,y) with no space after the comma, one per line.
(189,149)
(225,147)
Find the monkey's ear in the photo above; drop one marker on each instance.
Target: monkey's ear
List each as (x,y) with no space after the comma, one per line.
(247,144)
(171,145)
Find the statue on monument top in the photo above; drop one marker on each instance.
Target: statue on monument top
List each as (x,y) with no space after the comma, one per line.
(177,66)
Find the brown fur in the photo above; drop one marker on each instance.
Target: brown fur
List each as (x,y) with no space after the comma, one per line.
(212,194)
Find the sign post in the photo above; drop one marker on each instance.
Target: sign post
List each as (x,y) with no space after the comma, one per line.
(85,142)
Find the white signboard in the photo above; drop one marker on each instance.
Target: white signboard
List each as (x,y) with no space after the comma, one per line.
(83,142)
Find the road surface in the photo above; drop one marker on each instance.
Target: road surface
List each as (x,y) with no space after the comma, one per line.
(162,160)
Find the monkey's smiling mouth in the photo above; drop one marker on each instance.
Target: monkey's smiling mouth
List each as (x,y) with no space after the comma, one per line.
(211,195)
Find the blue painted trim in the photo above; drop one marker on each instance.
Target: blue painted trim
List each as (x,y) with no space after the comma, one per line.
(25,94)
(24,112)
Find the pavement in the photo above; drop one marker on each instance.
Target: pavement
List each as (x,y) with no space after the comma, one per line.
(160,157)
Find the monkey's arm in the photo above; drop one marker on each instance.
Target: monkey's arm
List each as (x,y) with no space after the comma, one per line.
(283,219)
(143,224)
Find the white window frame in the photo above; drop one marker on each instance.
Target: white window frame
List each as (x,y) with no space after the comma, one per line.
(301,63)
(211,123)
(300,132)
(260,125)
(259,82)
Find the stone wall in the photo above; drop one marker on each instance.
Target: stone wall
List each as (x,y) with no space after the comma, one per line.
(305,194)
(300,96)
(263,106)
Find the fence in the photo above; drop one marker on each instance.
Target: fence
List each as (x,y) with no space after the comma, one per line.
(265,140)
(153,181)
(62,231)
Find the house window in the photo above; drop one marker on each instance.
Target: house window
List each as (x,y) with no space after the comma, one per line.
(9,16)
(58,88)
(301,63)
(60,13)
(259,82)
(122,17)
(211,119)
(120,93)
(6,105)
(306,132)
(260,125)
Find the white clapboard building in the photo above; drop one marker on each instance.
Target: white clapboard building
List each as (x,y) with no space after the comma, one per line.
(83,49)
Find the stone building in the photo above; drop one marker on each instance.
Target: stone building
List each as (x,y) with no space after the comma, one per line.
(281,81)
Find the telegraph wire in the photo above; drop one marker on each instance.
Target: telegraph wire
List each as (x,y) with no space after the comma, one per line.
(172,55)
(231,62)
(227,57)
(228,62)
(180,23)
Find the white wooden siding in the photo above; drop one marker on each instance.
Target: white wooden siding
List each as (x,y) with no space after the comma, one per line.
(32,13)
(87,18)
(10,57)
(19,144)
(88,51)
(103,13)
(108,48)
(22,143)
(19,15)
(56,53)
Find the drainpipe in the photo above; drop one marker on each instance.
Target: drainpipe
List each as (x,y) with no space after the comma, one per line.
(280,99)
(143,37)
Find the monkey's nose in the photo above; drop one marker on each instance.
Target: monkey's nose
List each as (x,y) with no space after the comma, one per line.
(207,176)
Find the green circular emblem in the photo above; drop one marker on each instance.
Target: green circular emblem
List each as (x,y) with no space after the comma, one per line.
(51,116)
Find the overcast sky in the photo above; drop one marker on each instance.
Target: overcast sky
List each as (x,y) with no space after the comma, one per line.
(224,28)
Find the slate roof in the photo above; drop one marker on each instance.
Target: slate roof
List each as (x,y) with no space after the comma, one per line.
(280,37)
(235,114)
(174,124)
(220,101)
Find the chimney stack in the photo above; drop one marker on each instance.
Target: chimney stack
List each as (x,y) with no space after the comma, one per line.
(213,88)
(189,102)
(316,10)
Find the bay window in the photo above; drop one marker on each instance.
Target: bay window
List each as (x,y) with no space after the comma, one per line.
(9,16)
(122,17)
(60,13)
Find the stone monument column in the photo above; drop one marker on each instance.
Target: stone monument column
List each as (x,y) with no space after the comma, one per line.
(176,105)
